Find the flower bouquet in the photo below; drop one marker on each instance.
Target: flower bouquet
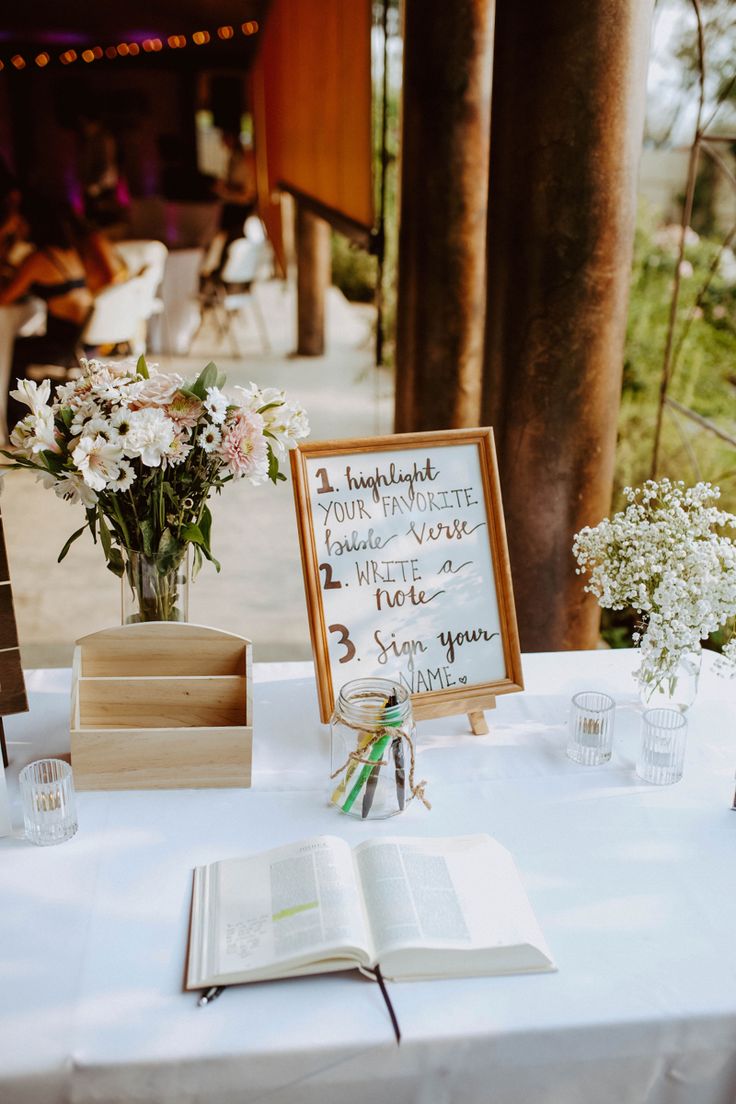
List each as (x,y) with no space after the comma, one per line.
(667,555)
(142,451)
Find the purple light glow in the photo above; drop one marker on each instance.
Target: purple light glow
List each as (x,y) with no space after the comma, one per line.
(47,38)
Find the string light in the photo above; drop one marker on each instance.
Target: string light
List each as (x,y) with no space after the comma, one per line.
(133,49)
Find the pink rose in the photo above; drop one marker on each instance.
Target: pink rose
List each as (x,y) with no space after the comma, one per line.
(159,390)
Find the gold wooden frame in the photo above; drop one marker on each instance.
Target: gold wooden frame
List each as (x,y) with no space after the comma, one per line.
(435,703)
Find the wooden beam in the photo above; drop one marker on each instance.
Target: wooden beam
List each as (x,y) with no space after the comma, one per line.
(568,109)
(448,61)
(313,279)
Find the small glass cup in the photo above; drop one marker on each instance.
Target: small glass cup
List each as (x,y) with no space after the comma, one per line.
(590,738)
(662,753)
(47,795)
(372,724)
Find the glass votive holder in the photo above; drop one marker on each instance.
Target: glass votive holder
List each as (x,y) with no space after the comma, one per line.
(372,745)
(590,736)
(662,752)
(49,806)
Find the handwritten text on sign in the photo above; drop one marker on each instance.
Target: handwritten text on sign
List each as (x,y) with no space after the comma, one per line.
(405,567)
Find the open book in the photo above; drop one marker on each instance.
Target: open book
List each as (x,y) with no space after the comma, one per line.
(420,908)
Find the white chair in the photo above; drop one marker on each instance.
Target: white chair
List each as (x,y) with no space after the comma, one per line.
(120,314)
(173,330)
(148,255)
(146,259)
(243,263)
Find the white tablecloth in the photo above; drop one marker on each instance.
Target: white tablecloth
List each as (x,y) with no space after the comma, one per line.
(632,884)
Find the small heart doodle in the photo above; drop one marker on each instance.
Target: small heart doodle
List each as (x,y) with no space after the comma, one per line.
(463,679)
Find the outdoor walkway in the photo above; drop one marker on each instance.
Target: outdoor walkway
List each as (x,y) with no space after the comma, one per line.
(259,592)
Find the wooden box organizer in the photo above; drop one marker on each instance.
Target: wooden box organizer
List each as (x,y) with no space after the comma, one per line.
(161,705)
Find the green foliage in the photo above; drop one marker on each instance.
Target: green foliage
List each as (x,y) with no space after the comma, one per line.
(354,270)
(704,377)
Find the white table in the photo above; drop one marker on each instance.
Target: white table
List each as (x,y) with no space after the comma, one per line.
(632,884)
(24,319)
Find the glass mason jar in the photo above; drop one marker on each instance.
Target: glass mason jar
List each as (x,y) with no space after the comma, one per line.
(677,691)
(155,588)
(372,741)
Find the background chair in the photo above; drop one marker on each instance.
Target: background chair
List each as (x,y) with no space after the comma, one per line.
(227,293)
(120,314)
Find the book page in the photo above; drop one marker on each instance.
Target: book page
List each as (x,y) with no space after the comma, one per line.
(297,903)
(457,894)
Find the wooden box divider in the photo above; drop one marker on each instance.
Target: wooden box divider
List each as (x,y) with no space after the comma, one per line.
(161,705)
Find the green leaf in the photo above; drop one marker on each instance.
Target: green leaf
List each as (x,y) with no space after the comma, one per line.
(273,465)
(116,564)
(53,461)
(205,525)
(92,522)
(206,378)
(105,537)
(69,543)
(269,406)
(170,552)
(192,534)
(142,368)
(66,415)
(146,528)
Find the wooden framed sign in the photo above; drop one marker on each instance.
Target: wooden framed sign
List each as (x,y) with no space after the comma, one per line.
(406,568)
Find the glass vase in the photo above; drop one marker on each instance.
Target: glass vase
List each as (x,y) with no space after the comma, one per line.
(677,691)
(155,588)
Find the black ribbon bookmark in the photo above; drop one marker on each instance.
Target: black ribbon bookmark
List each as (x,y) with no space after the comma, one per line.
(384,993)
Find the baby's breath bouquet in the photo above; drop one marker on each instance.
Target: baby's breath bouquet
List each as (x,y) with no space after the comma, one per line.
(142,451)
(671,556)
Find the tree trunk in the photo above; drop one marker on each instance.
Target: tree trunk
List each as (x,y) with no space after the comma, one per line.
(568,108)
(448,61)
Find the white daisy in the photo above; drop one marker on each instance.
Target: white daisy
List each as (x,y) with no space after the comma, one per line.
(120,421)
(209,438)
(126,476)
(216,405)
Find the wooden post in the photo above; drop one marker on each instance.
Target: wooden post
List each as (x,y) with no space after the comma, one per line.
(312,281)
(448,61)
(568,108)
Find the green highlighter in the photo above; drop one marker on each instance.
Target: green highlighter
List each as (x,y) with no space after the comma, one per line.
(368,776)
